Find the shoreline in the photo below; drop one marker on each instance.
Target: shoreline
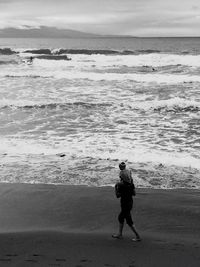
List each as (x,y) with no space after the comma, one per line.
(65,169)
(45,225)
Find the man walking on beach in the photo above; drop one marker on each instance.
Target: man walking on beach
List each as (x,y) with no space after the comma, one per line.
(125,190)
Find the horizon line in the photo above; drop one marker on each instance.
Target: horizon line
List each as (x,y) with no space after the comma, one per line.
(99,36)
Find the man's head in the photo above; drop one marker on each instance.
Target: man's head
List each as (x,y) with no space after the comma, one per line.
(122,166)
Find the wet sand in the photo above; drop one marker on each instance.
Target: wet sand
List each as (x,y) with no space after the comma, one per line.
(48,225)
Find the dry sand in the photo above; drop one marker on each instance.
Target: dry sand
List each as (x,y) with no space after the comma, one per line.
(48,225)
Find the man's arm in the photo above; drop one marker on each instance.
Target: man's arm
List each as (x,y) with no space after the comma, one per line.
(133,189)
(117,190)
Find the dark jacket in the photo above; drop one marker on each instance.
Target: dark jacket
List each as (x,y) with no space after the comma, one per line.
(125,191)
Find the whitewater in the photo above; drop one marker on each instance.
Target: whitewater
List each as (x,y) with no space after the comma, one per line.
(74,113)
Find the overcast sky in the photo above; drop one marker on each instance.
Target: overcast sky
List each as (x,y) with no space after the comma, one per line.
(128,17)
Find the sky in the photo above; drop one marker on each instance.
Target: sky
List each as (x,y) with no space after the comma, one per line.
(121,17)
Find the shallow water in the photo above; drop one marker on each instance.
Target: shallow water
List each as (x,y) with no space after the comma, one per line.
(136,101)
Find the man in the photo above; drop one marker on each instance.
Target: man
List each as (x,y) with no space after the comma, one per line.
(125,190)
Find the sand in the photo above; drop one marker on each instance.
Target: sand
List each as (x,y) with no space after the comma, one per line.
(49,225)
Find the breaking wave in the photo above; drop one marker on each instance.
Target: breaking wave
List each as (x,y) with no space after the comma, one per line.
(27,76)
(175,105)
(7,51)
(59,105)
(60,51)
(147,51)
(39,51)
(53,57)
(169,105)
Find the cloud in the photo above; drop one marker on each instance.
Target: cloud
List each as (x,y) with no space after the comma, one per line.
(137,17)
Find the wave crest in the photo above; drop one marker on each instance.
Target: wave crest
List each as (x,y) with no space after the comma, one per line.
(104,52)
(147,51)
(31,105)
(170,105)
(7,51)
(27,76)
(61,51)
(45,51)
(53,57)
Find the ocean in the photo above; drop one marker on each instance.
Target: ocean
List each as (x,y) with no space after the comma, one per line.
(83,105)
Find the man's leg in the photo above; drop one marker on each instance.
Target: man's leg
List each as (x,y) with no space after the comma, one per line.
(135,232)
(132,226)
(121,226)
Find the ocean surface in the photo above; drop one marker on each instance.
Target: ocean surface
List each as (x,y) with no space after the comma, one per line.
(83,105)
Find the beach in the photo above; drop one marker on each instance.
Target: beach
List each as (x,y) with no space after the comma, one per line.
(65,127)
(66,225)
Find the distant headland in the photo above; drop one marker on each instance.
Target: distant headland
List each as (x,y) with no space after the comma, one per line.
(48,32)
